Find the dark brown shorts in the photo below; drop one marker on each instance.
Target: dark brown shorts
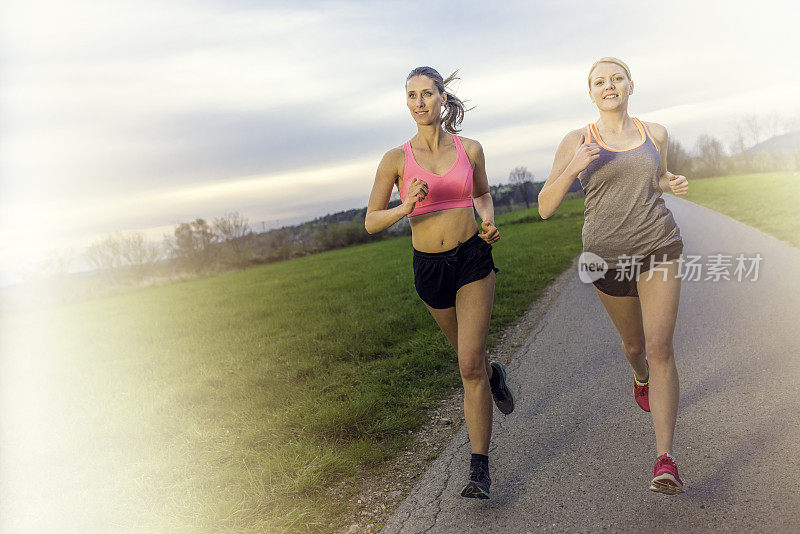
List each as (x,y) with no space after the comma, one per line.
(609,284)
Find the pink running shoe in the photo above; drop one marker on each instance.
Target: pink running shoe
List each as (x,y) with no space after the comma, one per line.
(665,476)
(641,392)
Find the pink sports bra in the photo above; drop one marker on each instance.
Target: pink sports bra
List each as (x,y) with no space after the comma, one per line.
(452,189)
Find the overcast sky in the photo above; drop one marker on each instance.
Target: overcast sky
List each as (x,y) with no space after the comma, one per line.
(137,115)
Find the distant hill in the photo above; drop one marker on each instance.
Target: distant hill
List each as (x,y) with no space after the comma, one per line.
(789,142)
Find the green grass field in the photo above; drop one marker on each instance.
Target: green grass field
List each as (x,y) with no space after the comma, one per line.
(769,201)
(233,402)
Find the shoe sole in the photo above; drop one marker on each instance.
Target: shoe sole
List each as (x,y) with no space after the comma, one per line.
(666,484)
(472,491)
(511,395)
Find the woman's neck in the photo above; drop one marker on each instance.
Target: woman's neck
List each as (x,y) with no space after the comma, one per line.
(615,121)
(432,136)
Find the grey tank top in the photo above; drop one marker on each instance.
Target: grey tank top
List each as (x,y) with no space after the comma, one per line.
(625,214)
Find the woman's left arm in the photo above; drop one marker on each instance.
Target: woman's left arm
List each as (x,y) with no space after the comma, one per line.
(481,197)
(668,182)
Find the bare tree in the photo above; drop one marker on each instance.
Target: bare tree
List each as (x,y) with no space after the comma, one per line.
(520,178)
(711,157)
(106,256)
(743,160)
(140,255)
(753,130)
(124,256)
(192,246)
(57,263)
(679,161)
(773,124)
(233,231)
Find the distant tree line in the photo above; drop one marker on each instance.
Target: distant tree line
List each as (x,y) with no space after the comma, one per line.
(199,247)
(747,151)
(193,248)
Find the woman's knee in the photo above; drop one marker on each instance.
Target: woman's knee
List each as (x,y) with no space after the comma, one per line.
(659,349)
(634,348)
(472,365)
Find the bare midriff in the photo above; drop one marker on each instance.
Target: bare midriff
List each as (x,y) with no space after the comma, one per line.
(439,231)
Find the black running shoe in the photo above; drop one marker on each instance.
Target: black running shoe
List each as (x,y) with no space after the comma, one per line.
(500,392)
(478,485)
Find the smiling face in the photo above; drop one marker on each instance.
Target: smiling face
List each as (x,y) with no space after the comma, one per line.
(609,86)
(424,100)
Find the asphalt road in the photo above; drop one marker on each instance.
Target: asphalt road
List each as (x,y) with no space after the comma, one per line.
(577,454)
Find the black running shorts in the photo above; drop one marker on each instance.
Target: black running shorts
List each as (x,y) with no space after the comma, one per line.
(609,284)
(439,275)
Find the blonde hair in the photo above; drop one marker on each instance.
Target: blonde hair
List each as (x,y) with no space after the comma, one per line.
(613,60)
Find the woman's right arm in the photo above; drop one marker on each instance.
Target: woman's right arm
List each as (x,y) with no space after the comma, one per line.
(573,155)
(379,218)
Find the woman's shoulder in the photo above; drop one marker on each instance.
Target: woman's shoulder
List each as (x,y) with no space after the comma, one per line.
(392,162)
(472,147)
(467,142)
(572,138)
(576,133)
(657,131)
(474,151)
(394,155)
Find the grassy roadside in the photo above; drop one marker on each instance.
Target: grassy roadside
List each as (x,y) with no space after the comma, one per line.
(231,402)
(767,201)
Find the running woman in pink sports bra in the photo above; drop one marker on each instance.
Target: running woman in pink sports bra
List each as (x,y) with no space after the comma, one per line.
(621,163)
(442,181)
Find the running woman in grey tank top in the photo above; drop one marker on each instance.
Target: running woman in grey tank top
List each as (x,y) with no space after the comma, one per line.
(621,163)
(625,214)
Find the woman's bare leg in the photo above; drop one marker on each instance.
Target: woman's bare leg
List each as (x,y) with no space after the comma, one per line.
(626,314)
(474,310)
(478,428)
(659,298)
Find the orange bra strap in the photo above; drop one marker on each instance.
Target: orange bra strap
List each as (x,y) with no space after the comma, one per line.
(647,133)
